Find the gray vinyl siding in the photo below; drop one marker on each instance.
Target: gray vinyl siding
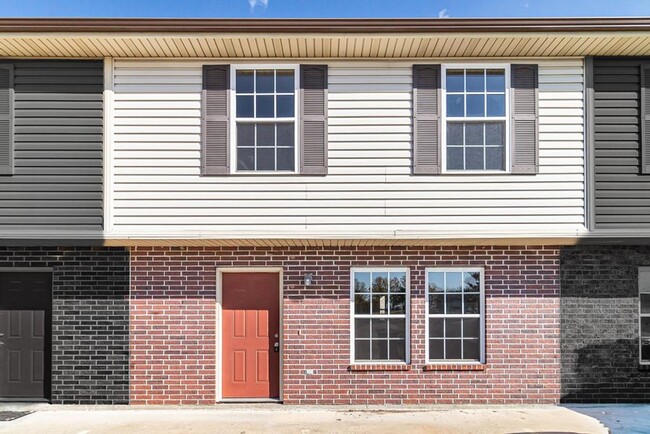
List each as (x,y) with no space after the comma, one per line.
(622,193)
(57,181)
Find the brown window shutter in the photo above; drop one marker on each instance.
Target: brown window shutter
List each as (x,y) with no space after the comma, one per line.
(6,119)
(215,120)
(645,118)
(427,153)
(313,119)
(525,119)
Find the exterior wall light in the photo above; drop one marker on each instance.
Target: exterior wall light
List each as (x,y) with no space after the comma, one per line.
(307,279)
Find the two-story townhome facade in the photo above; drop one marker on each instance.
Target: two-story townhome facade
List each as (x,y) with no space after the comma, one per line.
(326,211)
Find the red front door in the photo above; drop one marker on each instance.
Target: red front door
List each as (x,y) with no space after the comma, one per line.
(251,329)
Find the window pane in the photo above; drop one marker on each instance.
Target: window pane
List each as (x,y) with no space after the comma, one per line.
(645,303)
(286,159)
(454,281)
(474,158)
(245,134)
(265,159)
(496,105)
(436,304)
(397,328)
(476,105)
(397,304)
(380,304)
(264,81)
(644,281)
(494,158)
(285,106)
(397,282)
(245,158)
(265,135)
(455,80)
(454,134)
(379,328)
(245,81)
(645,350)
(362,328)
(474,134)
(286,134)
(284,81)
(471,349)
(397,350)
(264,108)
(380,349)
(453,327)
(436,327)
(455,106)
(380,282)
(471,327)
(494,133)
(454,304)
(472,303)
(244,106)
(361,304)
(361,350)
(472,281)
(496,80)
(361,282)
(454,158)
(436,349)
(452,347)
(475,80)
(436,281)
(645,327)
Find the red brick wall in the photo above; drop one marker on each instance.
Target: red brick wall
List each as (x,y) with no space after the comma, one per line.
(173,341)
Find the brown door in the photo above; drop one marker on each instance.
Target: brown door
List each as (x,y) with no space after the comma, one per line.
(25,318)
(251,335)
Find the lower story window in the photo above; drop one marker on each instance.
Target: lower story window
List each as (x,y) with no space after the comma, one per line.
(644,315)
(455,314)
(380,310)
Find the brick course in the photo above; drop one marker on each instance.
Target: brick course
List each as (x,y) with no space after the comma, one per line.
(173,341)
(90,318)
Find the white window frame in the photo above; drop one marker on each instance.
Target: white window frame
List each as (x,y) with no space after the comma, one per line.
(406,316)
(642,315)
(480,270)
(443,137)
(233,117)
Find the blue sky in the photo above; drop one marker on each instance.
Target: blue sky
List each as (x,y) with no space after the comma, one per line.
(322,8)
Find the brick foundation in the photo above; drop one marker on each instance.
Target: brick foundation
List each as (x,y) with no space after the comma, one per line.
(90,351)
(173,340)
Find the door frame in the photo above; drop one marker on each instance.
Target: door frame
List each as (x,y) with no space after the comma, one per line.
(219,328)
(48,366)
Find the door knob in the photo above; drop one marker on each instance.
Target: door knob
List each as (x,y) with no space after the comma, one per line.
(276,347)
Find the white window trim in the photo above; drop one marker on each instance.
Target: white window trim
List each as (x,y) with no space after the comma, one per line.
(644,315)
(428,361)
(407,317)
(233,118)
(443,135)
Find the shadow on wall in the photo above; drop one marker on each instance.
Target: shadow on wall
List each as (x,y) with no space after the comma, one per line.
(600,324)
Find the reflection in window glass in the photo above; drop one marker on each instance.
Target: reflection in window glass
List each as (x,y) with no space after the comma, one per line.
(380,309)
(454,315)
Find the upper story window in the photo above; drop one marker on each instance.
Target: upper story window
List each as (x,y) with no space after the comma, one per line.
(265,124)
(475,113)
(380,300)
(644,315)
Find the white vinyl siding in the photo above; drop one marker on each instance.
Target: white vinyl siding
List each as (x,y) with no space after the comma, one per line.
(369,190)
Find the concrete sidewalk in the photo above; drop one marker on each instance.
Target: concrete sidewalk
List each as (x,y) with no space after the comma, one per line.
(240,418)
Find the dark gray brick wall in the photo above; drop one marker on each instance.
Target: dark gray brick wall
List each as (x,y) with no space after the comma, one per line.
(599,324)
(90,320)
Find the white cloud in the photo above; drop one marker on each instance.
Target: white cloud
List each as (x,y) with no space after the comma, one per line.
(442,14)
(254,3)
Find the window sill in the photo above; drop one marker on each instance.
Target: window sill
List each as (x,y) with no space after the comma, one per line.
(379,367)
(454,367)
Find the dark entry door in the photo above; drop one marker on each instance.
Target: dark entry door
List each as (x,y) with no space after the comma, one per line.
(25,335)
(251,335)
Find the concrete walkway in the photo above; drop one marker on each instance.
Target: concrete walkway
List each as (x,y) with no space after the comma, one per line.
(240,418)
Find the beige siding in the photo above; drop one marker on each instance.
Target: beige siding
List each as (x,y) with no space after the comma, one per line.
(369,190)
